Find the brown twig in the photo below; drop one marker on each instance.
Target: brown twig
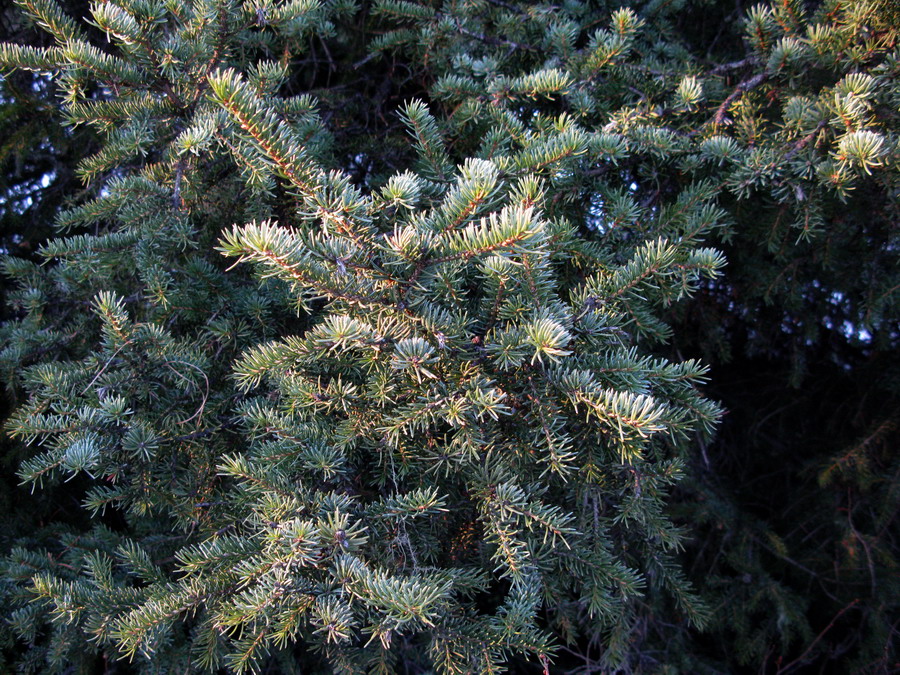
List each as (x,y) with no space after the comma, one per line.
(202,407)
(490,40)
(739,91)
(176,192)
(362,62)
(511,8)
(105,366)
(786,668)
(733,65)
(802,143)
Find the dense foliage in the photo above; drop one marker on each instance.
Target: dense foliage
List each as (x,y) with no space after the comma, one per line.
(373,337)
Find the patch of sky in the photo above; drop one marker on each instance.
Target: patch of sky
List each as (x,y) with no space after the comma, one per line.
(596,217)
(19,198)
(849,329)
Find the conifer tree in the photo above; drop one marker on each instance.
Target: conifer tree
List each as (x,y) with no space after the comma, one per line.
(379,381)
